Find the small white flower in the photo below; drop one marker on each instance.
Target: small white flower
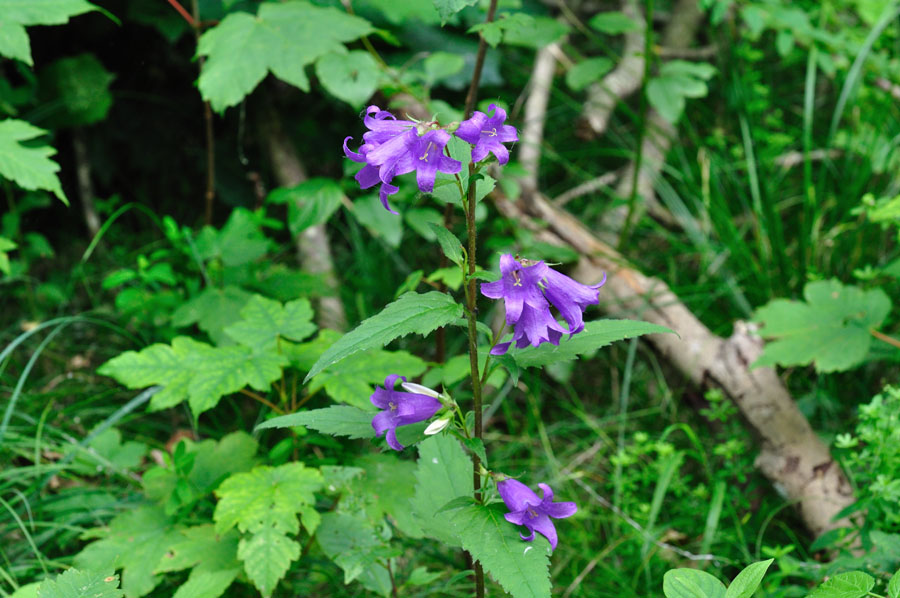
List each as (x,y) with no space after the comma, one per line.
(419,389)
(436,426)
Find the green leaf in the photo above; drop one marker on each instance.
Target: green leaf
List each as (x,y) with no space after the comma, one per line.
(493,32)
(267,497)
(212,310)
(894,586)
(338,420)
(310,203)
(522,568)
(207,583)
(239,242)
(586,72)
(595,335)
(613,23)
(444,472)
(748,580)
(448,8)
(830,329)
(380,223)
(411,313)
(678,80)
(195,371)
(536,33)
(80,584)
(267,556)
(5,247)
(385,488)
(79,87)
(201,545)
(441,65)
(351,77)
(450,244)
(350,380)
(352,543)
(18,14)
(265,321)
(134,542)
(282,38)
(29,166)
(692,583)
(854,584)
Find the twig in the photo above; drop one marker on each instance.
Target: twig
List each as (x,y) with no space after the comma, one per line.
(535,114)
(85,185)
(210,194)
(185,14)
(883,337)
(262,400)
(585,188)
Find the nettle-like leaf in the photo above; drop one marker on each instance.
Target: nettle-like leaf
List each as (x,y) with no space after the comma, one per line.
(443,473)
(411,313)
(384,487)
(748,580)
(522,568)
(266,320)
(353,544)
(677,81)
(692,583)
(830,329)
(595,335)
(338,420)
(854,584)
(211,557)
(448,8)
(27,165)
(283,38)
(80,584)
(213,309)
(310,203)
(267,556)
(134,542)
(894,586)
(18,14)
(350,380)
(239,242)
(351,77)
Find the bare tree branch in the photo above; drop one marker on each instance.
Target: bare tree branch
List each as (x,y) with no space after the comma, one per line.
(535,113)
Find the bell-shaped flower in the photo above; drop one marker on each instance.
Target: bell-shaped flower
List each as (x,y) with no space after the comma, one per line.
(525,508)
(488,134)
(399,409)
(571,297)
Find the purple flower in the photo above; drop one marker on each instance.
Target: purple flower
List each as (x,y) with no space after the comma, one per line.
(400,409)
(525,508)
(393,147)
(488,134)
(528,292)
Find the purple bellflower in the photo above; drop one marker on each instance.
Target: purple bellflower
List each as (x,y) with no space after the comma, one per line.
(393,147)
(525,508)
(400,409)
(528,292)
(488,134)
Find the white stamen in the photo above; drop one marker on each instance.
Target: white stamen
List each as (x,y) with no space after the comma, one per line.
(419,389)
(436,426)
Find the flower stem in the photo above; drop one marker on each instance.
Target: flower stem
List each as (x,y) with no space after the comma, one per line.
(883,337)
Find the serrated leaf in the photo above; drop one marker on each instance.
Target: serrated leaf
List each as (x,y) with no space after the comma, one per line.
(829,329)
(854,584)
(18,14)
(267,556)
(443,473)
(79,87)
(353,544)
(195,371)
(207,583)
(450,245)
(135,542)
(448,8)
(692,583)
(350,380)
(267,497)
(28,165)
(283,38)
(351,77)
(411,313)
(310,203)
(81,584)
(894,586)
(595,335)
(748,580)
(385,488)
(264,321)
(522,568)
(239,242)
(201,545)
(338,420)
(613,23)
(213,310)
(677,81)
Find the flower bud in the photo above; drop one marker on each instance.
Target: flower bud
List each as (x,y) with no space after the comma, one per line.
(436,426)
(419,389)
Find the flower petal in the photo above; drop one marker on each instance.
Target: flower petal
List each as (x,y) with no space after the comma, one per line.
(499,150)
(356,157)
(386,190)
(544,526)
(560,510)
(516,495)
(500,348)
(381,398)
(547,491)
(367,177)
(383,422)
(470,130)
(392,440)
(516,517)
(414,408)
(391,381)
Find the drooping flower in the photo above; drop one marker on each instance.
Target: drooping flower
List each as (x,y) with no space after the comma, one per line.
(528,292)
(393,147)
(488,134)
(399,409)
(525,508)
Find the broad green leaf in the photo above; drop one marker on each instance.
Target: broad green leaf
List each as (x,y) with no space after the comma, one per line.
(443,473)
(401,13)
(239,242)
(310,203)
(692,583)
(107,449)
(854,584)
(351,77)
(353,544)
(386,486)
(201,545)
(894,586)
(440,65)
(267,556)
(5,247)
(134,542)
(195,371)
(677,81)
(450,245)
(282,38)
(595,335)
(350,380)
(338,420)
(421,219)
(448,8)
(28,165)
(380,223)
(213,310)
(30,590)
(522,568)
(748,580)
(411,313)
(81,584)
(267,497)
(17,14)
(830,329)
(266,320)
(586,72)
(536,33)
(493,32)
(207,583)
(78,89)
(613,23)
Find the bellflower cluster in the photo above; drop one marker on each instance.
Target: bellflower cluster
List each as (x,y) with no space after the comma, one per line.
(525,508)
(528,291)
(392,147)
(400,409)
